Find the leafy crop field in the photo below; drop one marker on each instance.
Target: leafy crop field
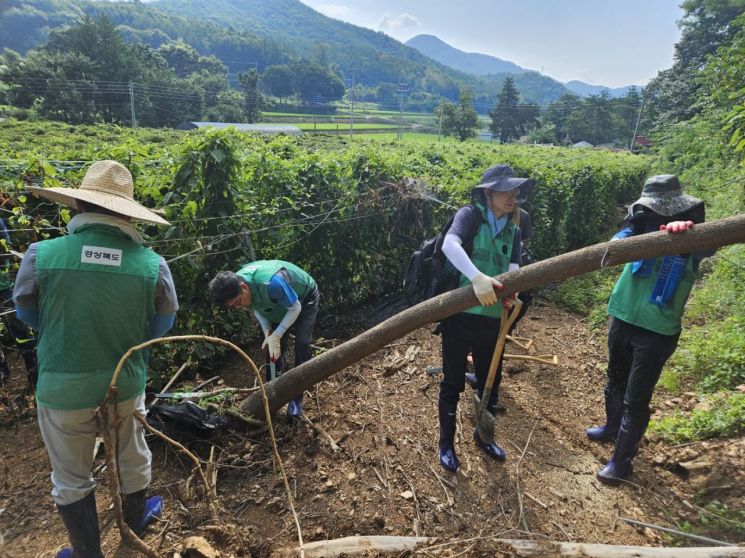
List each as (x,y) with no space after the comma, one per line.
(345,210)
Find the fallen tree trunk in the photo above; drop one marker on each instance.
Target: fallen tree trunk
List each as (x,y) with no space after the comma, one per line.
(705,236)
(349,546)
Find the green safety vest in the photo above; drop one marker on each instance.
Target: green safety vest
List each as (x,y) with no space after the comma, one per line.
(491,255)
(257,275)
(629,300)
(96,300)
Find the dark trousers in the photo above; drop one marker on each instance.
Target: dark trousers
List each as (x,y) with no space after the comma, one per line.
(23,339)
(635,359)
(461,334)
(303,331)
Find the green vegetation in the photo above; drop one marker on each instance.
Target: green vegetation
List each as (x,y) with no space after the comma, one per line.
(337,207)
(510,119)
(725,416)
(263,33)
(459,121)
(587,295)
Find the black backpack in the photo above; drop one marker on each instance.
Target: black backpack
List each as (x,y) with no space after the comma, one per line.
(429,272)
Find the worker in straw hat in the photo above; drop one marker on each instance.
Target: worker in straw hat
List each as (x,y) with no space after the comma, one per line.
(92,295)
(646,308)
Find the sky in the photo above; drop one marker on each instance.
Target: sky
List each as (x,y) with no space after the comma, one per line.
(602,42)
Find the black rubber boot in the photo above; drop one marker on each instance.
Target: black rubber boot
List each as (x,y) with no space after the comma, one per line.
(133,506)
(613,412)
(81,521)
(627,444)
(448,459)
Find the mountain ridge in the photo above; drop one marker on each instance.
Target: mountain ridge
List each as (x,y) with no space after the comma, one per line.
(485,64)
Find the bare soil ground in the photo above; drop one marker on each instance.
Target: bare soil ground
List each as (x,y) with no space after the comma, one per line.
(365,463)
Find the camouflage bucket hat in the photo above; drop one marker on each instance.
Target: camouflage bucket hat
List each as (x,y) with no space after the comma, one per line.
(663,195)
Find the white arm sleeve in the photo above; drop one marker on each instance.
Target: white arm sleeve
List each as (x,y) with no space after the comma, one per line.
(263,322)
(454,251)
(292,313)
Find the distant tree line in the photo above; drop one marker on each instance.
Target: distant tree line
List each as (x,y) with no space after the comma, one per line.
(89,73)
(597,119)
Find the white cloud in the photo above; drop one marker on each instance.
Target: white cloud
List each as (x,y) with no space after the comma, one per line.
(394,24)
(336,11)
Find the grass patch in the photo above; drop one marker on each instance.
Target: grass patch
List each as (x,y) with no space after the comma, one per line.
(670,381)
(712,346)
(724,417)
(587,295)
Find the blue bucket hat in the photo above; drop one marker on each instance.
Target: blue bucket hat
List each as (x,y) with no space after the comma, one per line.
(501,178)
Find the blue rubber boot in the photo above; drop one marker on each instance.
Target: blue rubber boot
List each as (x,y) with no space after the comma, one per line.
(613,412)
(295,408)
(491,448)
(140,512)
(153,509)
(627,442)
(448,459)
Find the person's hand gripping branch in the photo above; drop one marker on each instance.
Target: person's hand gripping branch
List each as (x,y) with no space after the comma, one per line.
(677,226)
(483,287)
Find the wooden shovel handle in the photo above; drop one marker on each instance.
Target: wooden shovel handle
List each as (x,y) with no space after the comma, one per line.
(504,326)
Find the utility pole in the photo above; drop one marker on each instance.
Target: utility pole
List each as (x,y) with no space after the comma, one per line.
(636,128)
(351,113)
(402,89)
(439,128)
(132,103)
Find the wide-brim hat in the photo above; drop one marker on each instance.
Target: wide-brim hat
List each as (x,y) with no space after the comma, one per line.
(501,178)
(107,184)
(663,195)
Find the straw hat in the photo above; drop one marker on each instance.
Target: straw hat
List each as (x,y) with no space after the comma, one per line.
(107,184)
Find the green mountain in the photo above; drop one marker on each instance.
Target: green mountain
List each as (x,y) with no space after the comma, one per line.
(471,62)
(259,33)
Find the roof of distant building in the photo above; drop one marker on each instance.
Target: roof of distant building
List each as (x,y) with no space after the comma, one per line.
(582,144)
(261,128)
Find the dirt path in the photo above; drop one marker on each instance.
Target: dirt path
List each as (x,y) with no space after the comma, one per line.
(385,479)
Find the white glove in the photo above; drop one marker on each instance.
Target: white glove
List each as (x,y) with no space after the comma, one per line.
(275,346)
(484,286)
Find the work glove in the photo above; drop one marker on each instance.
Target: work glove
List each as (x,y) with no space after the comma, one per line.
(677,226)
(483,287)
(272,342)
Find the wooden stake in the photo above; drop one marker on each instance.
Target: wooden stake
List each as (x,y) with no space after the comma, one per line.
(545,359)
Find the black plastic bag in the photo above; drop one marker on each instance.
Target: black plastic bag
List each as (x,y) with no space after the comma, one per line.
(185,421)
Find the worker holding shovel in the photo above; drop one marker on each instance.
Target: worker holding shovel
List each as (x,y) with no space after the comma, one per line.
(281,296)
(482,242)
(646,308)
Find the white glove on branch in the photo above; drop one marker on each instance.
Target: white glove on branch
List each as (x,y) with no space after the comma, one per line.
(275,346)
(483,287)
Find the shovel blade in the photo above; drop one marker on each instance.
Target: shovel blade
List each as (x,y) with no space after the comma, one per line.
(484,420)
